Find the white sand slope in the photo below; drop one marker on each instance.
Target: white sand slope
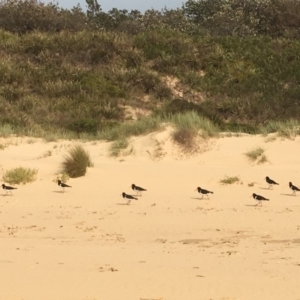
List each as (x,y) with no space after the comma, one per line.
(86,244)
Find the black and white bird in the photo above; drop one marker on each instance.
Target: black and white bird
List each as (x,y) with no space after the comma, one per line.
(128,197)
(63,185)
(259,198)
(138,189)
(293,188)
(271,182)
(8,188)
(203,192)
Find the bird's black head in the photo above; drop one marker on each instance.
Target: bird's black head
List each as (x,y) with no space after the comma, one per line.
(267,177)
(253,195)
(59,182)
(198,189)
(133,186)
(123,194)
(3,185)
(290,184)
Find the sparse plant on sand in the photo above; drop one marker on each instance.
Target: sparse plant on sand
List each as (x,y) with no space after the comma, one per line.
(257,155)
(185,138)
(3,146)
(117,146)
(230,180)
(76,163)
(20,175)
(271,138)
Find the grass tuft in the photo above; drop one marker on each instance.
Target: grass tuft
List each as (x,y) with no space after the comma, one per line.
(257,155)
(189,126)
(6,130)
(76,163)
(288,129)
(230,180)
(20,175)
(193,122)
(117,146)
(135,128)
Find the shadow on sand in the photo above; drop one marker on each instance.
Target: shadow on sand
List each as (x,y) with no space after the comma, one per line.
(199,198)
(291,195)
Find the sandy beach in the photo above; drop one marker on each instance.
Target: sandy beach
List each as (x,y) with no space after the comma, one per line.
(170,244)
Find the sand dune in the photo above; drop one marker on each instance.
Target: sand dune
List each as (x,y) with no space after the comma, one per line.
(86,244)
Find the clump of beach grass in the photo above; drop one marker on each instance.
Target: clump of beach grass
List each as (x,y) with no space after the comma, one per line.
(257,155)
(20,175)
(75,164)
(287,129)
(189,126)
(132,128)
(117,146)
(230,180)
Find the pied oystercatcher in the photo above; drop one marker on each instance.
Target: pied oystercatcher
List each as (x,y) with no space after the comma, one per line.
(63,185)
(259,198)
(293,188)
(271,182)
(203,191)
(138,189)
(128,197)
(8,188)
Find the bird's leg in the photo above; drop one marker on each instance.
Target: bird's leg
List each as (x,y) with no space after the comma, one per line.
(128,202)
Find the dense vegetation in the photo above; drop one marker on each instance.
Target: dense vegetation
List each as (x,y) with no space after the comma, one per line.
(234,62)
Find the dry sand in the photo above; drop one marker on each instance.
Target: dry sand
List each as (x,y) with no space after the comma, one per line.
(86,244)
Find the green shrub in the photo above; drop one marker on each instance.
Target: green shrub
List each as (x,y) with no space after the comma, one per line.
(76,163)
(20,175)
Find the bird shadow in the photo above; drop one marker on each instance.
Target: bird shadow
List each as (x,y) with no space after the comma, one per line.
(122,204)
(59,192)
(291,195)
(253,205)
(198,198)
(4,195)
(264,188)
